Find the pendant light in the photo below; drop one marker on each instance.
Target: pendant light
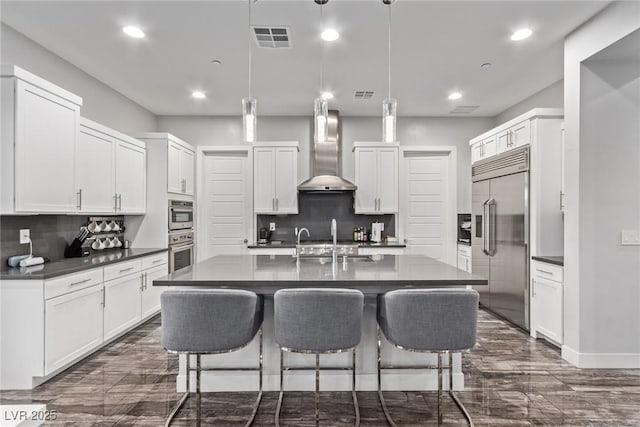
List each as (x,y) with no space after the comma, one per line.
(249,104)
(389,105)
(320,104)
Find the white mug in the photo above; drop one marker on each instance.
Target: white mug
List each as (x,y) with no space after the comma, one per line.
(94,227)
(114,226)
(109,243)
(105,226)
(118,242)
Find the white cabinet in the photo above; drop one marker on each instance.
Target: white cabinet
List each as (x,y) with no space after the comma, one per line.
(376,176)
(180,168)
(131,160)
(153,268)
(485,148)
(464,258)
(514,137)
(562,145)
(39,133)
(547,301)
(95,170)
(275,178)
(73,326)
(121,304)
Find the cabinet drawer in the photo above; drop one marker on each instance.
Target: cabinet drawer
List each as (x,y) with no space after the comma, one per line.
(154,260)
(122,269)
(547,271)
(72,282)
(464,250)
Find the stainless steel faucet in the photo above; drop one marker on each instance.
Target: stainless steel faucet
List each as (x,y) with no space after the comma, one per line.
(334,234)
(300,233)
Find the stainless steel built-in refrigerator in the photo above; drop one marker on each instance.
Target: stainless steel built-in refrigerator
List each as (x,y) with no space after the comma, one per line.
(500,234)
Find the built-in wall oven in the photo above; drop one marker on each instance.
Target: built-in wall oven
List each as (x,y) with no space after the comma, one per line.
(181,249)
(180,215)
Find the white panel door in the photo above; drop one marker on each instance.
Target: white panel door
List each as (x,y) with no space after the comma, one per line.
(366,180)
(425,213)
(187,160)
(174,163)
(73,326)
(150,300)
(95,171)
(121,304)
(46,133)
(387,171)
(264,197)
(131,176)
(286,177)
(225,205)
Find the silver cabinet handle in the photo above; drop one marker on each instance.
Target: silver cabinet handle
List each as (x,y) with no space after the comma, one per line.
(115,202)
(80,282)
(533,286)
(126,269)
(120,202)
(157,261)
(141,282)
(544,271)
(79,194)
(246,241)
(273,205)
(277,204)
(104,296)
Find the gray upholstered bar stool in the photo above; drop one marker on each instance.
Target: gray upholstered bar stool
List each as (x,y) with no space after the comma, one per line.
(210,321)
(318,321)
(438,321)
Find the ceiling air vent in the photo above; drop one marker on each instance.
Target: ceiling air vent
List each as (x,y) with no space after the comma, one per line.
(464,109)
(272,37)
(363,94)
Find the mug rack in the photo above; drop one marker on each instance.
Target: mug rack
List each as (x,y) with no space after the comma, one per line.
(104,235)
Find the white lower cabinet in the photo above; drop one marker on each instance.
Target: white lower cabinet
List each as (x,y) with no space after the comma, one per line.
(547,297)
(121,304)
(150,300)
(464,258)
(73,326)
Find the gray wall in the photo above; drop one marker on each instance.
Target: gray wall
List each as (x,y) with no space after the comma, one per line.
(551,96)
(101,103)
(430,131)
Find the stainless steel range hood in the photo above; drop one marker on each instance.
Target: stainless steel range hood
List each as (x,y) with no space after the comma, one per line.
(326,162)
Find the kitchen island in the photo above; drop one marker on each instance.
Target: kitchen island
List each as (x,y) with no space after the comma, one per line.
(265,274)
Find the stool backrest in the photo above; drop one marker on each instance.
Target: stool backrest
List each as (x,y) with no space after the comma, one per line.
(209,320)
(430,319)
(318,320)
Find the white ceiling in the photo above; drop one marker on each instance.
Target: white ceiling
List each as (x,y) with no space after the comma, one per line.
(437,47)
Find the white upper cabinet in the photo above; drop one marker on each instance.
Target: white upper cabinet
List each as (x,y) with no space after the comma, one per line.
(376,176)
(39,134)
(110,171)
(485,148)
(181,161)
(275,178)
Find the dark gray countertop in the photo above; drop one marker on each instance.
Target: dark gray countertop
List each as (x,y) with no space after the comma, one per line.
(267,273)
(291,244)
(74,265)
(557,260)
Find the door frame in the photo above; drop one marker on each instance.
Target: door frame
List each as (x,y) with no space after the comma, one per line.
(201,152)
(451,252)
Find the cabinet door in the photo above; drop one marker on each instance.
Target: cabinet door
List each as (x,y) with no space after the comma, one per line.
(131,177)
(187,163)
(366,180)
(174,164)
(121,304)
(46,131)
(387,171)
(286,177)
(548,305)
(476,152)
(95,178)
(503,141)
(73,326)
(264,181)
(521,134)
(490,147)
(150,300)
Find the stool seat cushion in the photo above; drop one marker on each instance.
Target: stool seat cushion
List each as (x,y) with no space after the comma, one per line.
(209,320)
(318,320)
(429,319)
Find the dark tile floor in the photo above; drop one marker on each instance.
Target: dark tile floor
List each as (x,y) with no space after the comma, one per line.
(510,380)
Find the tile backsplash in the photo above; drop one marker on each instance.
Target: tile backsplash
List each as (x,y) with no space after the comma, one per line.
(49,233)
(315,211)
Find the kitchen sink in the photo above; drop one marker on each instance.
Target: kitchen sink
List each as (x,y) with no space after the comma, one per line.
(328,259)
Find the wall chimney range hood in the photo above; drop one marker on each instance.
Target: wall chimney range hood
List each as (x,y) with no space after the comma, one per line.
(326,162)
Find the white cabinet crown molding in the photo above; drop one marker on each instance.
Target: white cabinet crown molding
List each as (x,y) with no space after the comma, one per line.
(536,112)
(165,136)
(295,144)
(111,132)
(374,144)
(22,74)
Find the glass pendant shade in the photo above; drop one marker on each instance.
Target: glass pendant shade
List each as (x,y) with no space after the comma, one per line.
(389,110)
(320,119)
(249,113)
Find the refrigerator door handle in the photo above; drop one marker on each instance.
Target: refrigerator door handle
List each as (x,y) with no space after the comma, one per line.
(491,219)
(485,228)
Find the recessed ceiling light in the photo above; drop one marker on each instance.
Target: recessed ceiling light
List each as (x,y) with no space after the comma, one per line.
(455,95)
(521,34)
(198,95)
(330,35)
(134,32)
(326,95)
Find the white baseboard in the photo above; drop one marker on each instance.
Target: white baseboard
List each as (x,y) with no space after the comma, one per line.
(305,381)
(601,360)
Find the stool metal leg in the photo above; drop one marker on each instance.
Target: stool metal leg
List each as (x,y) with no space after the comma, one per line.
(182,400)
(387,415)
(439,388)
(317,396)
(281,395)
(256,405)
(353,390)
(198,393)
(453,394)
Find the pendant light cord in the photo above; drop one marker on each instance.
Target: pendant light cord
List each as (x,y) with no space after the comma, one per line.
(321,49)
(250,47)
(389,53)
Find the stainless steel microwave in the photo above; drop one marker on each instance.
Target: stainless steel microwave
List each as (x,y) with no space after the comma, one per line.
(180,215)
